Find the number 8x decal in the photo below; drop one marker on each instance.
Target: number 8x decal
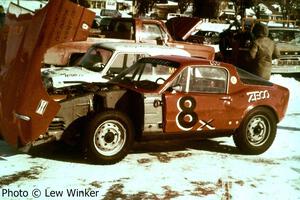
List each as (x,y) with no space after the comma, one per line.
(186,118)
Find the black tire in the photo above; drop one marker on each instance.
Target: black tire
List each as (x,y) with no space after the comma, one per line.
(256,132)
(109,137)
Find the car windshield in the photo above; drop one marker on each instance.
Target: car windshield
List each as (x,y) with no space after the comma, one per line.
(285,36)
(95,59)
(147,73)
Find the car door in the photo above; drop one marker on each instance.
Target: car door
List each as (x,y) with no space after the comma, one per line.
(198,102)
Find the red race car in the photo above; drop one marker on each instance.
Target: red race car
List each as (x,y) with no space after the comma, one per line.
(162,96)
(157,96)
(181,96)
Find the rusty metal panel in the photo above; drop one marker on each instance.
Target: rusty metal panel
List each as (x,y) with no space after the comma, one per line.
(153,113)
(26,109)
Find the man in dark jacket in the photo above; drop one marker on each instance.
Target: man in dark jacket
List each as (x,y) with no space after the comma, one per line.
(262,51)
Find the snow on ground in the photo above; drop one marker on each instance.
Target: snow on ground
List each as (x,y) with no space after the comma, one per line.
(292,117)
(209,169)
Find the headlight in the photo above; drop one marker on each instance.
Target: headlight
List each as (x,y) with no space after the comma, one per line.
(275,62)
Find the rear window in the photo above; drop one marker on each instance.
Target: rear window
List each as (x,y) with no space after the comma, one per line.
(110,13)
(115,28)
(252,79)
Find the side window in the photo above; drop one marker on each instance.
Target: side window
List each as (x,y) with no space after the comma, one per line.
(208,80)
(123,61)
(133,58)
(181,81)
(151,32)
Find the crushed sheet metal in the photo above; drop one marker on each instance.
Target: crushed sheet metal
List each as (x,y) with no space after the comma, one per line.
(23,43)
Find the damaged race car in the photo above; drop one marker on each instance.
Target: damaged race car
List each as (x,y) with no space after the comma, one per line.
(174,96)
(160,97)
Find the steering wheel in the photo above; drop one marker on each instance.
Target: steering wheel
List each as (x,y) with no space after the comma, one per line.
(160,78)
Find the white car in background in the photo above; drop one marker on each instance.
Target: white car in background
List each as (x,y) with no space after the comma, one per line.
(102,62)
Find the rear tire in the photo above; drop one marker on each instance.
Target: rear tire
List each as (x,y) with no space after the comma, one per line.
(109,137)
(256,132)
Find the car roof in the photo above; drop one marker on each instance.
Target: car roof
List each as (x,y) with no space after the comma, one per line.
(246,78)
(187,60)
(284,29)
(151,49)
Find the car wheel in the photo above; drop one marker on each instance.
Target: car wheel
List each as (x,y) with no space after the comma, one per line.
(109,137)
(257,132)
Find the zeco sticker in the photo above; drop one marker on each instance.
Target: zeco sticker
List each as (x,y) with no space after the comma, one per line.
(41,108)
(258,95)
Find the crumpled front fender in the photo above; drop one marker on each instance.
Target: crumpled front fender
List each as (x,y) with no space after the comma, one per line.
(26,109)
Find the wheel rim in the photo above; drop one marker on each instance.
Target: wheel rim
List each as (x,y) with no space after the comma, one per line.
(258,130)
(109,137)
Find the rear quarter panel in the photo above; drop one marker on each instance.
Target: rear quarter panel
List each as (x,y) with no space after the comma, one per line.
(248,96)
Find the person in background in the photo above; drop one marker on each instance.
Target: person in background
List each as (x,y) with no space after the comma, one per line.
(2,16)
(262,51)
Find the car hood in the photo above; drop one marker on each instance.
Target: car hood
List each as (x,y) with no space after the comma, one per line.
(182,27)
(26,109)
(68,76)
(288,47)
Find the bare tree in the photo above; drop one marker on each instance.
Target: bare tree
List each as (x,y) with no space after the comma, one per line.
(241,5)
(289,8)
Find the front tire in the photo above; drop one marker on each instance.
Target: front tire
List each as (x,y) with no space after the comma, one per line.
(257,132)
(109,137)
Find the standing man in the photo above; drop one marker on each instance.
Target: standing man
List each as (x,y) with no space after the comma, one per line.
(262,51)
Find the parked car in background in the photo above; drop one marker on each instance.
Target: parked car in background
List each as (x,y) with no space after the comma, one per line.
(156,32)
(208,33)
(102,62)
(172,15)
(288,43)
(130,30)
(209,38)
